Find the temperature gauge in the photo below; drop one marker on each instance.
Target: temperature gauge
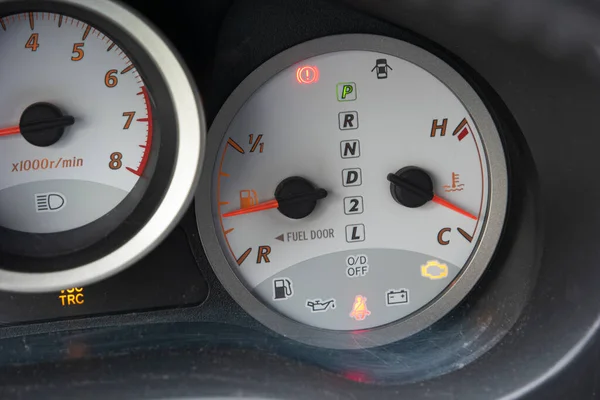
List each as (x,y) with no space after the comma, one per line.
(371,200)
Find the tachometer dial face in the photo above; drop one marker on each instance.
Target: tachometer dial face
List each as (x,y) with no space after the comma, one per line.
(101,134)
(75,130)
(362,188)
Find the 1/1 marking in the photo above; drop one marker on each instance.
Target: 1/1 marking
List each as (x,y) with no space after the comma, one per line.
(256,143)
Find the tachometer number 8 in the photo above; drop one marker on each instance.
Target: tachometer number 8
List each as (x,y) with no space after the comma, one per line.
(115,161)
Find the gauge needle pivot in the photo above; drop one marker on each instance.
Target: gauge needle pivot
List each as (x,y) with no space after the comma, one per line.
(37,126)
(419,186)
(41,124)
(310,196)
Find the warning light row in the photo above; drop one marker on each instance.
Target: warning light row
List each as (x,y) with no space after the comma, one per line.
(283,288)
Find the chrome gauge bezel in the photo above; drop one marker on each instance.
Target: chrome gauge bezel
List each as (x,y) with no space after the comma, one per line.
(473,269)
(186,150)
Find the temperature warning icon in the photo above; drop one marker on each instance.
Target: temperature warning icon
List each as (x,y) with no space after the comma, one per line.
(456,186)
(359,308)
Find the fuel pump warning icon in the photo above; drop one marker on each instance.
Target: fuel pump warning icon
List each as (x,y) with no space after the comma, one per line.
(282,289)
(248,198)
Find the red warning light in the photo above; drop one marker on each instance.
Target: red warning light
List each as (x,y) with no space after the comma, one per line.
(359,308)
(307,74)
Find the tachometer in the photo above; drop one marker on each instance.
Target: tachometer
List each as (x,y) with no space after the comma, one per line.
(100,141)
(356,187)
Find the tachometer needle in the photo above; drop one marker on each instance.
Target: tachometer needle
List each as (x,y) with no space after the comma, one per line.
(418,183)
(38,125)
(311,196)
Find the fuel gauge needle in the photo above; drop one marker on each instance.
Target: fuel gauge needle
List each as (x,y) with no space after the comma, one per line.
(267,205)
(309,196)
(13,130)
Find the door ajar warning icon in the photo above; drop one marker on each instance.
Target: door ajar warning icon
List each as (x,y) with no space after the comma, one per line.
(381,68)
(359,308)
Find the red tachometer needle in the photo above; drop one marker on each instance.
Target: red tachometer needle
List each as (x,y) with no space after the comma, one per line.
(32,123)
(13,130)
(267,205)
(438,200)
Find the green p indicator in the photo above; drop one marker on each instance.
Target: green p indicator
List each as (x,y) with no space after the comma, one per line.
(346,91)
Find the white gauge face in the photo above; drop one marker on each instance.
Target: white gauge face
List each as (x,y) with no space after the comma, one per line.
(353,189)
(95,145)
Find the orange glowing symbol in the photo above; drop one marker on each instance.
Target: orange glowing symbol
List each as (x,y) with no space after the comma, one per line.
(307,74)
(359,309)
(248,198)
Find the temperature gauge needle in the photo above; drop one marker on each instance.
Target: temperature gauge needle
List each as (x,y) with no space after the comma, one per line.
(306,197)
(412,187)
(438,200)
